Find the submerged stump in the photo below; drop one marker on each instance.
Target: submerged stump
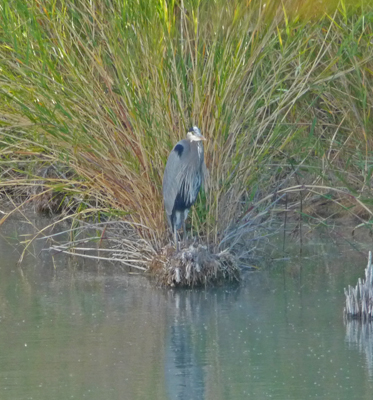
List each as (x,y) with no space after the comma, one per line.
(194,266)
(359,299)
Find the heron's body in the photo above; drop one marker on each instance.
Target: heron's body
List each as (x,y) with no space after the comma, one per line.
(182,179)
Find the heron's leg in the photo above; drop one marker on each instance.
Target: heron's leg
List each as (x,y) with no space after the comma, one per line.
(184,231)
(175,237)
(185,216)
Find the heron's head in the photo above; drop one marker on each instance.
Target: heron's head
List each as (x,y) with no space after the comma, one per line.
(194,134)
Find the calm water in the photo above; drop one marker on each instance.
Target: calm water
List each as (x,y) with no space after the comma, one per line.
(72,330)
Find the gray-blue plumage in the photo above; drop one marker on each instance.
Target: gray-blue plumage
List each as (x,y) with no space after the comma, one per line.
(183,178)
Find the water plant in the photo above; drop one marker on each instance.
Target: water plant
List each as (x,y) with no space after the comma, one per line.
(95,94)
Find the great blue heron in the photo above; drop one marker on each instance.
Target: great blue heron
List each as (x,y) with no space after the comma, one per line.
(182,179)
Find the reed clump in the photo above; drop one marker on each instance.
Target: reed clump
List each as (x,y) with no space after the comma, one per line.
(104,90)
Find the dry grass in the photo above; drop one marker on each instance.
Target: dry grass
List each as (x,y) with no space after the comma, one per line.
(193,266)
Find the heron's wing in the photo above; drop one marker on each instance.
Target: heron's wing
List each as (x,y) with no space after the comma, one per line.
(173,175)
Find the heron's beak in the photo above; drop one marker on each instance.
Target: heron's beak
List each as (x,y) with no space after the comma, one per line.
(195,138)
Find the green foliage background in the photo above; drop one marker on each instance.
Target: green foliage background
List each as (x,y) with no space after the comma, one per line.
(102,90)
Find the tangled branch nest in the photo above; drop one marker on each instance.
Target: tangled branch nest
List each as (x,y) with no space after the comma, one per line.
(194,266)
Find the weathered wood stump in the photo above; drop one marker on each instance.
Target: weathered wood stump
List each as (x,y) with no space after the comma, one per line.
(359,299)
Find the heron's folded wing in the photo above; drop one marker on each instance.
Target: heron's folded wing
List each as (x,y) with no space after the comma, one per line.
(172,181)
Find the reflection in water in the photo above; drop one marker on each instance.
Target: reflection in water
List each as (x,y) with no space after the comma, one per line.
(184,372)
(83,330)
(360,334)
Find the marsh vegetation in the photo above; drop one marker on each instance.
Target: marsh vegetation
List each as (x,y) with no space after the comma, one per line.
(95,94)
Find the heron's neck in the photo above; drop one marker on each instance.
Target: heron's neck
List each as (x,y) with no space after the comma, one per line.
(200,149)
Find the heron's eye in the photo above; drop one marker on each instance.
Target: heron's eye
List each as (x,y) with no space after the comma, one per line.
(179,148)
